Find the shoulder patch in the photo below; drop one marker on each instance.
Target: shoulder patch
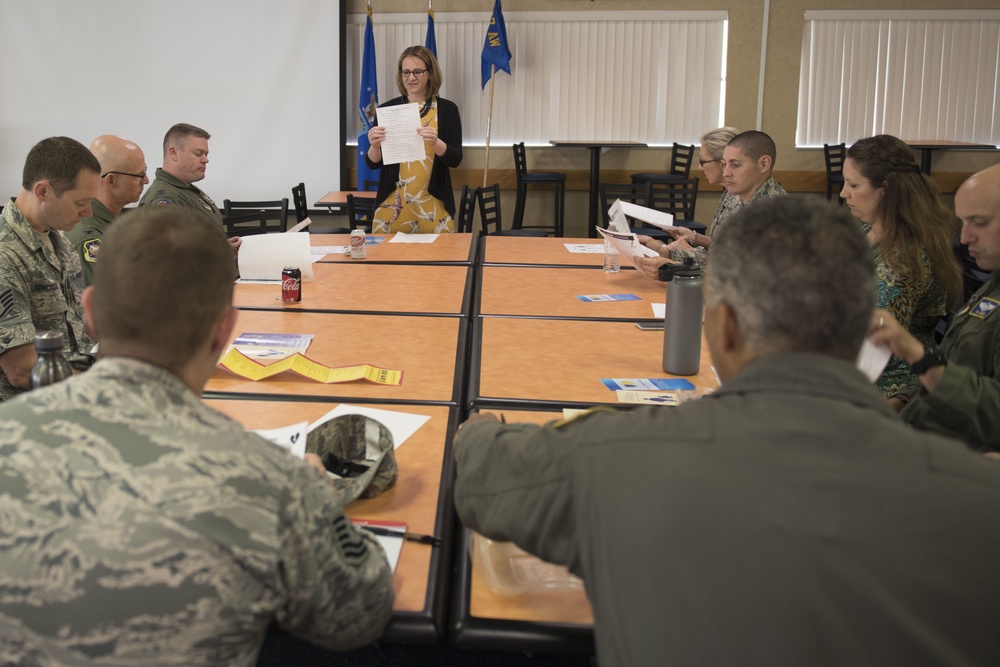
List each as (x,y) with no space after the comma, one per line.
(983,309)
(164,202)
(90,250)
(6,302)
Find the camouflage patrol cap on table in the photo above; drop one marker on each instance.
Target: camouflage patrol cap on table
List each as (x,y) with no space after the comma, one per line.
(358,451)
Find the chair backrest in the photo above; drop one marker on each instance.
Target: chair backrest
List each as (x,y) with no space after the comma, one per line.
(520,161)
(633,193)
(681,159)
(834,156)
(272,210)
(466,210)
(369,185)
(489,208)
(244,224)
(675,197)
(299,202)
(360,211)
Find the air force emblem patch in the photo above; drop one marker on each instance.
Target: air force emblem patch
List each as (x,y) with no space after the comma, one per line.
(90,250)
(984,308)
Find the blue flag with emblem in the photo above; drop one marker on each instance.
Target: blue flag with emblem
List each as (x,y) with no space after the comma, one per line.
(367,103)
(431,42)
(495,50)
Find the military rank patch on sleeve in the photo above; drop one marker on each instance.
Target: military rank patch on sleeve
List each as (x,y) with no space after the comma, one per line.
(984,308)
(6,302)
(90,250)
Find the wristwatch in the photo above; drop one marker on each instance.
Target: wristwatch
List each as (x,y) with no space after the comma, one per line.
(933,356)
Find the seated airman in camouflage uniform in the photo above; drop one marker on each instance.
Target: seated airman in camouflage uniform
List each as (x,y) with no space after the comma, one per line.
(141,527)
(40,281)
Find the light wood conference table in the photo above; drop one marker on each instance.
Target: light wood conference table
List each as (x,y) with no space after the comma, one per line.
(553,292)
(420,499)
(429,350)
(538,363)
(395,288)
(336,200)
(446,249)
(545,251)
(485,617)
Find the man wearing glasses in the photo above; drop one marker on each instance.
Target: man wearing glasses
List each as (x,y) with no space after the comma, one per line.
(123,176)
(185,158)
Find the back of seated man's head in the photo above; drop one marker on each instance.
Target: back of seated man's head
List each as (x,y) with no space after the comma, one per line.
(163,281)
(755,145)
(799,275)
(59,161)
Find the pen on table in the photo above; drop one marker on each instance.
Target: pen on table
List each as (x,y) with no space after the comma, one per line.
(412,537)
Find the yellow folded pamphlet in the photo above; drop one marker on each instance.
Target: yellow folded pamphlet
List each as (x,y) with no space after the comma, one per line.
(237,362)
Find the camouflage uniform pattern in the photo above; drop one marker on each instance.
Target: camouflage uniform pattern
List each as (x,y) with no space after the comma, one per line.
(361,453)
(40,290)
(86,238)
(140,527)
(728,204)
(167,190)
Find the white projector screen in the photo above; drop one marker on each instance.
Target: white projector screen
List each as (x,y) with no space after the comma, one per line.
(262,77)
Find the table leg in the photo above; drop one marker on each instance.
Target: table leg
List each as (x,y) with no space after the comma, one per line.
(925,160)
(595,186)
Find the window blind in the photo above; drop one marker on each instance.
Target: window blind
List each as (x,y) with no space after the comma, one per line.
(927,75)
(653,76)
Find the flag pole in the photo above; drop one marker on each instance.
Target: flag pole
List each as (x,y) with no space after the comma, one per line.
(489,121)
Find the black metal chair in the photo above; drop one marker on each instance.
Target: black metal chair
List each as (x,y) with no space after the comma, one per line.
(681,159)
(677,198)
(466,210)
(368,185)
(489,212)
(244,224)
(834,157)
(361,211)
(633,193)
(526,178)
(274,212)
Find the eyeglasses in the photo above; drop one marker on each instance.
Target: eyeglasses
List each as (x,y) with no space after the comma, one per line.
(704,162)
(415,72)
(141,175)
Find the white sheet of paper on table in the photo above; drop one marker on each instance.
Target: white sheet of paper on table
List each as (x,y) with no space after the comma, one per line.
(413,238)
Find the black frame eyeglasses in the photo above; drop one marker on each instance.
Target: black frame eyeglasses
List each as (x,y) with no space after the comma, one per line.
(141,175)
(704,162)
(406,73)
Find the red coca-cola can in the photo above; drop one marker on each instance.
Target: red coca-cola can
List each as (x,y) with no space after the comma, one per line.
(291,284)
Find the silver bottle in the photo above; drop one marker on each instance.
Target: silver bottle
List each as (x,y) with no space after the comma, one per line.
(682,325)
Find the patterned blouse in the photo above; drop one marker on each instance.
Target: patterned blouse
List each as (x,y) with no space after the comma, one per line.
(916,304)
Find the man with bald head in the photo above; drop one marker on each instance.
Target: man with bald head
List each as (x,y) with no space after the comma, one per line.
(958,392)
(123,176)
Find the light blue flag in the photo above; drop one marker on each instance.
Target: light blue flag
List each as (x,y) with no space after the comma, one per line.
(431,42)
(495,50)
(367,102)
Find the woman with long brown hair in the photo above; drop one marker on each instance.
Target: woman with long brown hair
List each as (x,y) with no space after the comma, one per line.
(911,232)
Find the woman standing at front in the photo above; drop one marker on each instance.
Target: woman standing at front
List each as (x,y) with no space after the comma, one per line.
(416,197)
(911,232)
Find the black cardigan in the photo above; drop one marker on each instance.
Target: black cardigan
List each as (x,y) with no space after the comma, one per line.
(450,132)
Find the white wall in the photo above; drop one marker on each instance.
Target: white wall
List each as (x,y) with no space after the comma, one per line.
(263,77)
